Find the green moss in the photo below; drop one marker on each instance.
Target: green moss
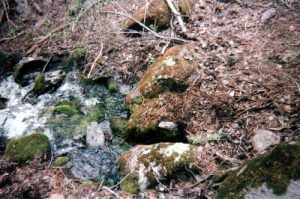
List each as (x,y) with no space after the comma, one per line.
(64,109)
(39,85)
(75,59)
(97,114)
(60,161)
(275,168)
(130,185)
(119,126)
(27,147)
(113,87)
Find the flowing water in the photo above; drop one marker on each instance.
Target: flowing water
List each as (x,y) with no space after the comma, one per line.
(21,117)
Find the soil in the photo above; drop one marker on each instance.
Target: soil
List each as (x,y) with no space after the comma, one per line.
(244,83)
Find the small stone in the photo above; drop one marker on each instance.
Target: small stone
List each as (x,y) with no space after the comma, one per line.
(94,135)
(267,15)
(57,196)
(168,125)
(263,139)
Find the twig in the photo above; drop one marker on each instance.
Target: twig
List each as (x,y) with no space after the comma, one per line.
(6,9)
(96,60)
(116,185)
(112,192)
(45,66)
(177,15)
(11,38)
(43,39)
(201,181)
(227,158)
(37,7)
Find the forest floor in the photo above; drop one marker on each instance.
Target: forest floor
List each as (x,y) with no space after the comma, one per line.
(247,80)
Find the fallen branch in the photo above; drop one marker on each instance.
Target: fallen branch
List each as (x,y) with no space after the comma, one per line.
(11,38)
(177,15)
(227,158)
(37,7)
(43,39)
(96,60)
(112,192)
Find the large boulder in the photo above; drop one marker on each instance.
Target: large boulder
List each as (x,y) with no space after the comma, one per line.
(270,175)
(27,147)
(156,14)
(169,72)
(145,165)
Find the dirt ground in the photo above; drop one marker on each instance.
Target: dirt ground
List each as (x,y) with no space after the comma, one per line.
(245,81)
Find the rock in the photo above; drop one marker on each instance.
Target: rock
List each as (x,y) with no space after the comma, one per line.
(146,164)
(94,163)
(26,67)
(169,72)
(263,192)
(57,196)
(186,7)
(158,16)
(7,61)
(94,135)
(267,15)
(278,169)
(263,139)
(168,126)
(48,82)
(3,103)
(27,147)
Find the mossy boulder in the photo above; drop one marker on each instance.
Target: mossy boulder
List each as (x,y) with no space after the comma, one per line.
(157,15)
(27,66)
(145,165)
(169,72)
(64,109)
(186,7)
(61,161)
(275,169)
(48,82)
(27,148)
(112,87)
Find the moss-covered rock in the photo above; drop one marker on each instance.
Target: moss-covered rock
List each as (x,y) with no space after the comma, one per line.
(169,72)
(146,164)
(276,169)
(113,87)
(64,109)
(60,161)
(157,16)
(119,126)
(39,85)
(27,147)
(186,7)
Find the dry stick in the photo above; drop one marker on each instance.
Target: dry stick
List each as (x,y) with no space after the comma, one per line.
(227,158)
(112,192)
(45,66)
(177,15)
(116,185)
(37,7)
(96,60)
(11,38)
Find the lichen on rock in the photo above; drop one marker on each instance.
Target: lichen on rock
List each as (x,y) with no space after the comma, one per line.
(27,147)
(145,165)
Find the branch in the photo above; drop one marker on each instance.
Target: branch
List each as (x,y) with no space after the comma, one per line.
(177,15)
(96,60)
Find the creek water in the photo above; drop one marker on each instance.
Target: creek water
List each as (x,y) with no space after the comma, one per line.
(21,117)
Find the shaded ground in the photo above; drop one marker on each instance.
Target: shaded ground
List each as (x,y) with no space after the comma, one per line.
(243,82)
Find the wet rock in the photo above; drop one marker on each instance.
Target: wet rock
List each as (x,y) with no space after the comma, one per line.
(263,139)
(7,61)
(27,148)
(168,125)
(94,135)
(25,70)
(278,169)
(186,7)
(158,16)
(146,164)
(48,82)
(94,163)
(169,72)
(3,102)
(267,15)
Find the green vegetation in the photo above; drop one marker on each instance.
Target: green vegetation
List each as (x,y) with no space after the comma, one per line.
(97,114)
(113,87)
(39,85)
(64,109)
(130,185)
(60,161)
(275,168)
(27,147)
(75,59)
(119,126)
